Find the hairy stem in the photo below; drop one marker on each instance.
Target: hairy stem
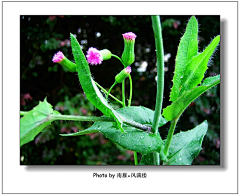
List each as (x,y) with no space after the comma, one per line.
(81,118)
(157,29)
(95,118)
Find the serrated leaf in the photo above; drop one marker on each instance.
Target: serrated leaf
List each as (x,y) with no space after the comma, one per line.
(185,146)
(35,121)
(187,49)
(89,87)
(134,139)
(195,69)
(178,106)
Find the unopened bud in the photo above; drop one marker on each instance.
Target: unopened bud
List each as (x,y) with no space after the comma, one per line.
(123,74)
(128,56)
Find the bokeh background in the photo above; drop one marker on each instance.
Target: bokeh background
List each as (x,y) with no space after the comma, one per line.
(42,36)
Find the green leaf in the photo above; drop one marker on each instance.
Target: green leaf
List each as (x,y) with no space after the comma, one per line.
(34,121)
(187,49)
(89,87)
(195,69)
(140,114)
(134,139)
(185,146)
(178,106)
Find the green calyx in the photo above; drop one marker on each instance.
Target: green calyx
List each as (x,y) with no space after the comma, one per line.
(119,78)
(68,64)
(106,54)
(128,56)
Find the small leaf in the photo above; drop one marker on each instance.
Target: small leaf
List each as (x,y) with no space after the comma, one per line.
(178,106)
(187,49)
(185,146)
(35,121)
(89,87)
(196,68)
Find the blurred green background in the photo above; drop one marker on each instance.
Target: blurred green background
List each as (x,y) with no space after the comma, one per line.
(42,36)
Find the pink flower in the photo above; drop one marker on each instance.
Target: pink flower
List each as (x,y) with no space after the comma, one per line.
(94,56)
(58,57)
(129,36)
(128,70)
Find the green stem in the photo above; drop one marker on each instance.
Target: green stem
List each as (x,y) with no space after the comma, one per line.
(117,58)
(157,29)
(170,136)
(123,93)
(156,158)
(110,89)
(95,118)
(80,118)
(135,158)
(160,71)
(22,113)
(130,95)
(105,91)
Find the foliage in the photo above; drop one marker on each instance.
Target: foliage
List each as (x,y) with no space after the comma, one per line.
(66,89)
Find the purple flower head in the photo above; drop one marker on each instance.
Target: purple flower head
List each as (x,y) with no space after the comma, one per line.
(58,57)
(94,56)
(128,70)
(129,36)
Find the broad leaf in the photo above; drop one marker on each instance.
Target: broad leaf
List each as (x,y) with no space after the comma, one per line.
(134,139)
(140,114)
(178,106)
(187,49)
(89,87)
(196,68)
(35,121)
(185,146)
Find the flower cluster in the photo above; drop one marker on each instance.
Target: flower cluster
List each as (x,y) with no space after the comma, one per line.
(94,56)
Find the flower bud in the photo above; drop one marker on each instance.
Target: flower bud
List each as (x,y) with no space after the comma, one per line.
(123,74)
(61,59)
(95,57)
(106,54)
(128,52)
